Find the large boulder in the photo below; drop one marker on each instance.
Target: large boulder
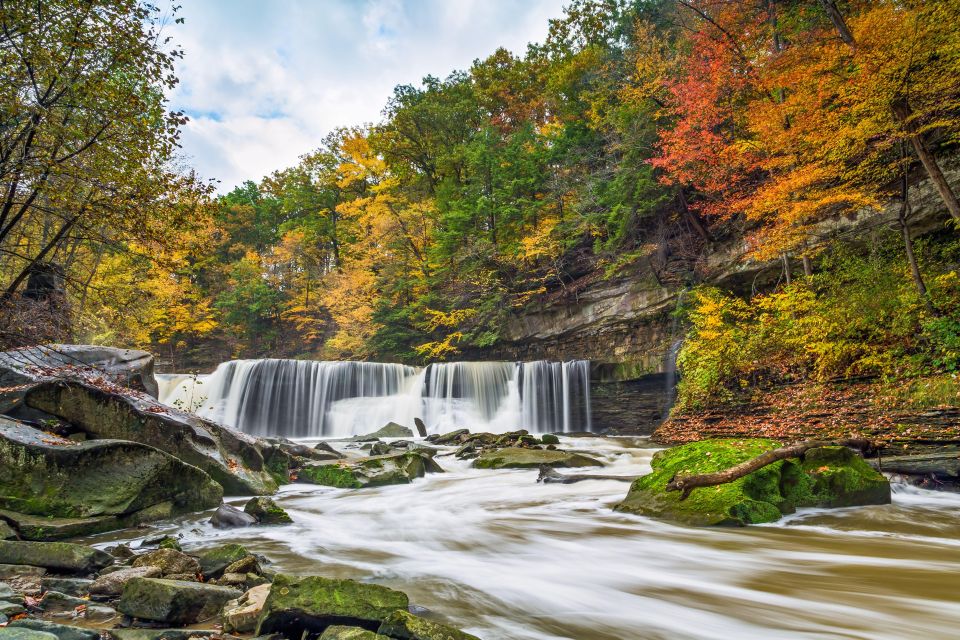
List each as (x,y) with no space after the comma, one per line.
(241,615)
(522,458)
(825,477)
(228,517)
(373,471)
(406,626)
(341,632)
(314,603)
(174,601)
(76,488)
(389,430)
(235,460)
(58,556)
(266,511)
(169,561)
(124,367)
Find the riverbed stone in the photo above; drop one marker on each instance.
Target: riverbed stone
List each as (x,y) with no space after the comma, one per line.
(59,556)
(169,561)
(56,602)
(70,586)
(166,634)
(6,531)
(241,615)
(521,458)
(112,583)
(214,561)
(18,633)
(173,601)
(825,477)
(8,571)
(405,626)
(457,436)
(266,511)
(372,471)
(61,631)
(229,517)
(549,438)
(298,604)
(389,430)
(340,632)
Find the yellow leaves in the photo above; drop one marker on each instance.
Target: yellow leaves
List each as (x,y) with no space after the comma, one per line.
(437,319)
(440,350)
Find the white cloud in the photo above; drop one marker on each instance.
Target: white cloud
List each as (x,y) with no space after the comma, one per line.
(263,82)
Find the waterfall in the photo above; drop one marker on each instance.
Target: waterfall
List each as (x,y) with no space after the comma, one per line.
(301,398)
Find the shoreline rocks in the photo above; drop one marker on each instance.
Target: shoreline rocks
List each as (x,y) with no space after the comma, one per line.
(524,458)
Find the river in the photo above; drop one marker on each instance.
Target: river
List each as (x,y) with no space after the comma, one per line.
(503,557)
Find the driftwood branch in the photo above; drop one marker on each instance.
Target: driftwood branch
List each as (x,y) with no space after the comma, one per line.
(687,483)
(548,475)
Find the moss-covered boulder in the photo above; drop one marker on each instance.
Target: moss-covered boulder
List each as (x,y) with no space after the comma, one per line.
(63,557)
(174,601)
(17,633)
(522,458)
(373,471)
(389,430)
(61,631)
(314,603)
(214,561)
(169,561)
(266,511)
(340,632)
(78,488)
(825,477)
(233,459)
(406,626)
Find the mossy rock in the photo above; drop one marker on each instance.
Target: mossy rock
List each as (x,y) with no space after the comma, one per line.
(373,471)
(406,626)
(266,511)
(340,632)
(173,601)
(314,603)
(58,556)
(61,631)
(826,477)
(214,561)
(549,438)
(521,458)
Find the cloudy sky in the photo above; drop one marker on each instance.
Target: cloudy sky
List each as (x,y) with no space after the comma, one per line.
(264,80)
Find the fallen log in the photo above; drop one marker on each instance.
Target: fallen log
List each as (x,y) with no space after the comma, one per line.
(550,476)
(687,483)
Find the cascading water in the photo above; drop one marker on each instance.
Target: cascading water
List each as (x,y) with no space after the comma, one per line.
(299,398)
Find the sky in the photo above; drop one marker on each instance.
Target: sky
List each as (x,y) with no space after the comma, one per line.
(263,81)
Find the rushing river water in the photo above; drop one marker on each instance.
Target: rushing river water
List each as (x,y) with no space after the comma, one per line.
(503,557)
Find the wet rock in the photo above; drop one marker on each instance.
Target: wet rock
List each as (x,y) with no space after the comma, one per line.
(56,602)
(421,427)
(340,632)
(166,634)
(549,438)
(374,471)
(173,601)
(18,633)
(389,430)
(6,531)
(227,517)
(99,613)
(20,570)
(7,593)
(121,552)
(406,626)
(321,451)
(244,566)
(240,615)
(214,561)
(169,561)
(61,631)
(826,477)
(10,609)
(451,438)
(59,556)
(313,603)
(266,511)
(380,449)
(233,459)
(70,586)
(521,458)
(324,447)
(169,542)
(111,584)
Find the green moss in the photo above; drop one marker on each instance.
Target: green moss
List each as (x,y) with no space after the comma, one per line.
(521,458)
(406,626)
(331,475)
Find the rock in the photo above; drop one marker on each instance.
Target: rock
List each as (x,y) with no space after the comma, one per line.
(6,531)
(61,631)
(183,577)
(19,570)
(340,632)
(421,427)
(10,609)
(53,487)
(124,367)
(389,430)
(380,449)
(266,511)
(111,584)
(324,447)
(227,517)
(121,552)
(19,633)
(70,586)
(405,626)
(826,477)
(233,459)
(375,471)
(453,437)
(240,615)
(169,561)
(244,566)
(173,601)
(58,556)
(169,542)
(56,602)
(166,634)
(7,593)
(313,603)
(214,561)
(549,438)
(322,451)
(520,458)
(99,613)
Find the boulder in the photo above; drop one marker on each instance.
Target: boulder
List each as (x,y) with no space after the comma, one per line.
(241,615)
(8,571)
(169,561)
(322,451)
(233,459)
(227,517)
(549,438)
(313,603)
(7,592)
(19,633)
(11,609)
(340,632)
(166,634)
(406,626)
(266,511)
(380,449)
(57,556)
(451,438)
(6,531)
(825,477)
(214,561)
(421,427)
(389,430)
(521,458)
(75,489)
(56,602)
(373,471)
(173,601)
(70,586)
(244,566)
(60,631)
(112,583)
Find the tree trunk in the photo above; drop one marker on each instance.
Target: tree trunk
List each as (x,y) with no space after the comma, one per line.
(786,269)
(903,112)
(694,219)
(807,266)
(830,6)
(903,217)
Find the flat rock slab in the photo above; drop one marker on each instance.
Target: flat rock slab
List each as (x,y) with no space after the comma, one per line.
(59,556)
(111,584)
(19,633)
(127,367)
(406,626)
(174,601)
(165,634)
(69,586)
(169,561)
(61,631)
(523,458)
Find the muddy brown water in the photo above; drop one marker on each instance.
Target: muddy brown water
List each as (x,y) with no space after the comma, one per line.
(503,557)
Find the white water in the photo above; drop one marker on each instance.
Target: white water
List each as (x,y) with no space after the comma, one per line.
(298,398)
(506,558)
